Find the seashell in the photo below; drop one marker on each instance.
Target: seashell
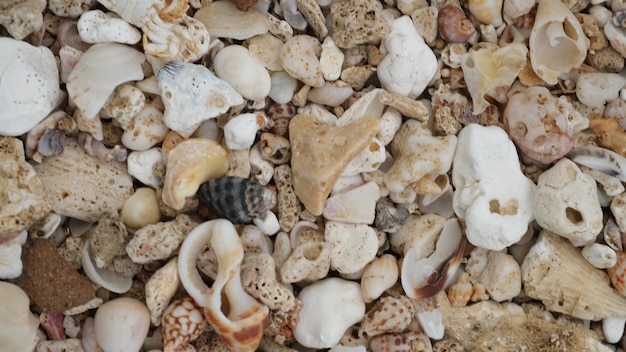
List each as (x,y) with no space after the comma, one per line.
(378,276)
(600,159)
(110,280)
(141,209)
(299,57)
(281,114)
(183,322)
(617,273)
(557,41)
(235,65)
(51,143)
(599,255)
(192,94)
(45,227)
(357,205)
(556,273)
(19,326)
(95,26)
(388,217)
(513,9)
(94,147)
(184,40)
(244,5)
(189,164)
(173,10)
(490,67)
(30,86)
(401,342)
(241,326)
(453,25)
(237,199)
(124,103)
(137,13)
(52,323)
(487,11)
(612,235)
(36,133)
(99,70)
(388,315)
(423,278)
(265,49)
(223,20)
(616,36)
(121,324)
(283,87)
(141,165)
(330,93)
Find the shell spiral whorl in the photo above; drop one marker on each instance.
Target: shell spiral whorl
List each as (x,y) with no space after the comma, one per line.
(237,199)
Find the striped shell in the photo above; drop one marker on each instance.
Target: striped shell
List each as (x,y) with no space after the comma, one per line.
(617,273)
(51,143)
(237,199)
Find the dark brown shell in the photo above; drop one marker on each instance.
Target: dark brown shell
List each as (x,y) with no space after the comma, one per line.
(237,199)
(454,25)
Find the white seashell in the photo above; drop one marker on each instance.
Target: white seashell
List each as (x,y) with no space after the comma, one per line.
(331,59)
(299,57)
(490,67)
(369,104)
(616,36)
(432,323)
(18,326)
(599,255)
(192,94)
(146,129)
(601,14)
(45,227)
(424,277)
(99,70)
(487,11)
(29,86)
(439,203)
(98,27)
(512,9)
(110,280)
(121,324)
(223,20)
(235,65)
(378,276)
(187,40)
(10,256)
(36,133)
(418,233)
(247,315)
(265,49)
(69,57)
(331,93)
(283,87)
(557,41)
(353,206)
(596,88)
(137,13)
(141,166)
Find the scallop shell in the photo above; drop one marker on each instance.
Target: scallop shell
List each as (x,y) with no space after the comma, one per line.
(237,199)
(223,20)
(190,163)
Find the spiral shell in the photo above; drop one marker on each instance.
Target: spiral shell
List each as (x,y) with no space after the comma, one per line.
(51,142)
(454,25)
(237,199)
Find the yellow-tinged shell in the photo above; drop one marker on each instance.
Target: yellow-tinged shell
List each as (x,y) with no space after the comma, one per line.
(487,11)
(189,164)
(173,10)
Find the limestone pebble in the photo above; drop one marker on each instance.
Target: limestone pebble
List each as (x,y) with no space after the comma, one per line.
(258,277)
(358,22)
(158,241)
(23,199)
(107,239)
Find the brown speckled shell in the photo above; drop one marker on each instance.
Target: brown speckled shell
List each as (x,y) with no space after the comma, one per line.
(280,114)
(454,25)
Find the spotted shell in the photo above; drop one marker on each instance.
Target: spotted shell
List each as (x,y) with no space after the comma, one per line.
(280,114)
(237,199)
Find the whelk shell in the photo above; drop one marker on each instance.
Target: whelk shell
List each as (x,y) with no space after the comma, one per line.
(237,199)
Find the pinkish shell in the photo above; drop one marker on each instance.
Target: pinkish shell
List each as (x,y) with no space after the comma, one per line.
(454,25)
(52,323)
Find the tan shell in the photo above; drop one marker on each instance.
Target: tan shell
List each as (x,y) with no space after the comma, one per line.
(265,48)
(223,20)
(556,273)
(189,164)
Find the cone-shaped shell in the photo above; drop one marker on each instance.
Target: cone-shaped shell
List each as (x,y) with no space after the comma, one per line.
(189,164)
(556,273)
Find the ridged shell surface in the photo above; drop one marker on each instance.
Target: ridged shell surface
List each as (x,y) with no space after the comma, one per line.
(237,199)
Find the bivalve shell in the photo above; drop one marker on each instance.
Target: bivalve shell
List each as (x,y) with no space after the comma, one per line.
(223,20)
(237,199)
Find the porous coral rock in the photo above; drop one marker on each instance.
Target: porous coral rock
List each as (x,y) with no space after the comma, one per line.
(84,187)
(358,22)
(320,152)
(160,289)
(352,245)
(160,240)
(258,278)
(22,17)
(107,239)
(23,199)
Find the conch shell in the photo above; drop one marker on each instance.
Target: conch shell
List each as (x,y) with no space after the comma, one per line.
(490,67)
(242,322)
(557,42)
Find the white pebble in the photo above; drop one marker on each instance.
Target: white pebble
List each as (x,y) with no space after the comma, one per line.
(267,223)
(330,94)
(594,89)
(235,65)
(599,255)
(283,87)
(613,329)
